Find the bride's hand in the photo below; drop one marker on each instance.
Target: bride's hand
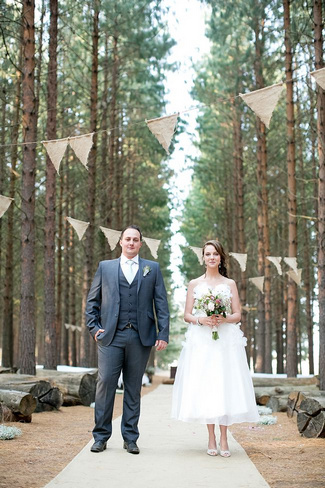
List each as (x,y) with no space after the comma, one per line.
(209,321)
(220,319)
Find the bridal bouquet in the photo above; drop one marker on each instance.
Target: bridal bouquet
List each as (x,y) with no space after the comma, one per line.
(211,304)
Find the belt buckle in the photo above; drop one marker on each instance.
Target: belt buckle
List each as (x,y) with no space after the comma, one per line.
(128,326)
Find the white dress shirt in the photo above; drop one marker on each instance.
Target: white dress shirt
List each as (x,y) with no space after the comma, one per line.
(125,266)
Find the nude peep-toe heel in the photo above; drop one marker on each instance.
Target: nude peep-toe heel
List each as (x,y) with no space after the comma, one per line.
(212,452)
(225,454)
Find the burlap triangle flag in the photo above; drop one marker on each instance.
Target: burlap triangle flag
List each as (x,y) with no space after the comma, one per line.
(163,129)
(296,277)
(81,146)
(319,76)
(292,262)
(4,204)
(73,327)
(55,151)
(241,259)
(258,281)
(263,101)
(153,245)
(276,260)
(79,226)
(198,252)
(112,236)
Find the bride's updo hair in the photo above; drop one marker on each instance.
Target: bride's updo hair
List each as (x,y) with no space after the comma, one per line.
(218,247)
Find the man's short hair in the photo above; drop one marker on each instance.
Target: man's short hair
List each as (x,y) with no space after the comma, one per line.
(132,226)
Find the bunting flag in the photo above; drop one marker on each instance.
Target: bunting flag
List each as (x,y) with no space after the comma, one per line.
(55,150)
(198,252)
(241,259)
(163,129)
(81,146)
(79,226)
(4,204)
(295,276)
(263,102)
(319,76)
(72,327)
(258,281)
(112,236)
(276,261)
(153,245)
(292,262)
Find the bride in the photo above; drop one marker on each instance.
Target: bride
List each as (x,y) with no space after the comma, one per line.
(213,383)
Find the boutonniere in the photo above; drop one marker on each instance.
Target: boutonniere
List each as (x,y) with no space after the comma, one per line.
(146,270)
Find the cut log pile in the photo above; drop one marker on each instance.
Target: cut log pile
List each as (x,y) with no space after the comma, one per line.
(310,413)
(77,388)
(298,397)
(22,395)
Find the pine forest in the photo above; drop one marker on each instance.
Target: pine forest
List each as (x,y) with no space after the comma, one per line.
(70,69)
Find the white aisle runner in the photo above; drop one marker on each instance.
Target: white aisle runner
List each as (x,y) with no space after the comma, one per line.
(173,455)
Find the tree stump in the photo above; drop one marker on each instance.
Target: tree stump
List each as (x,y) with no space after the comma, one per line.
(18,401)
(311,417)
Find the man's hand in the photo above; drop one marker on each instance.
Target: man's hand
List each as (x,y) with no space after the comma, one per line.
(98,332)
(161,345)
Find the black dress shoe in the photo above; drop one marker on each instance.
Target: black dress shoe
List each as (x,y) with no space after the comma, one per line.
(98,446)
(131,447)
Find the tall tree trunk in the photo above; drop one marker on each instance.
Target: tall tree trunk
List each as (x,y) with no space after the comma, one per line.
(73,286)
(111,197)
(307,252)
(50,349)
(66,274)
(104,144)
(239,165)
(319,63)
(7,331)
(263,214)
(2,179)
(29,121)
(88,358)
(292,201)
(59,280)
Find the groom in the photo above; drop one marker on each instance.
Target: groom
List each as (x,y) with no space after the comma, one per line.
(120,317)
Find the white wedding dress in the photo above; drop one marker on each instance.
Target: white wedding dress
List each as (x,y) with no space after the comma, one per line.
(213,384)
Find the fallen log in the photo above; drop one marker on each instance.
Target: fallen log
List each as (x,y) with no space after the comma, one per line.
(311,417)
(52,400)
(282,382)
(40,389)
(264,393)
(7,415)
(18,401)
(278,403)
(81,386)
(4,370)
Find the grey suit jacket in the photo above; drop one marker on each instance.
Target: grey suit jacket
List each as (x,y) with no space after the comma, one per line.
(103,303)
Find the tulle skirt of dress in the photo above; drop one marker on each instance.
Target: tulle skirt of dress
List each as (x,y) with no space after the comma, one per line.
(213,384)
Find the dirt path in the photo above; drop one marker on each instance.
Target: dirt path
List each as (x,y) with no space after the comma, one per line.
(53,438)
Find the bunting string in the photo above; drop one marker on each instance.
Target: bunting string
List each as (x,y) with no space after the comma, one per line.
(257,99)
